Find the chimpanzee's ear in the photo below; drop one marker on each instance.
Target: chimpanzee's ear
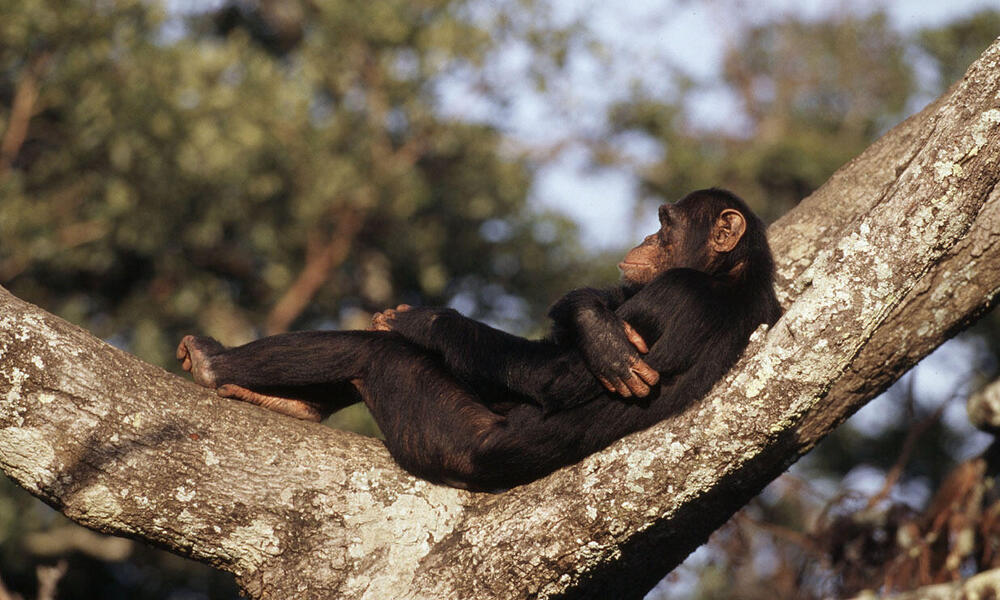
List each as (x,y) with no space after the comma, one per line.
(727,231)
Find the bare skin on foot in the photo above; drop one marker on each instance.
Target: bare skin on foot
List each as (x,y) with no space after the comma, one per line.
(382,321)
(300,409)
(195,355)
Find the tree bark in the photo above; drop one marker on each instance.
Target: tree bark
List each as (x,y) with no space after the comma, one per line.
(895,254)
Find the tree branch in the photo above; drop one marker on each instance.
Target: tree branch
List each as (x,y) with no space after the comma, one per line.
(21,110)
(320,263)
(896,253)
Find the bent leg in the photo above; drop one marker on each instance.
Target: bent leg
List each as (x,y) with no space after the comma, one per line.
(305,375)
(435,426)
(288,359)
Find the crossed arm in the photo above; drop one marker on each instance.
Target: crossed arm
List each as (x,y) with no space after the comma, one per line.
(586,319)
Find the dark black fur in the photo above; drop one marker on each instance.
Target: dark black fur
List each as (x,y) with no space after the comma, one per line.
(465,404)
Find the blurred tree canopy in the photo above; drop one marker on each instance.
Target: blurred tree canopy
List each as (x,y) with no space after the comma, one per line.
(258,166)
(812,95)
(275,164)
(253,167)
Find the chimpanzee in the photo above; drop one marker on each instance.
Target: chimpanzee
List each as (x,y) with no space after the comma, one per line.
(467,405)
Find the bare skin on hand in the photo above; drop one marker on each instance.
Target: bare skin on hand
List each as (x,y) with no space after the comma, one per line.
(643,376)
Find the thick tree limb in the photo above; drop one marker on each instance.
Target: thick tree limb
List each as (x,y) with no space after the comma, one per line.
(896,253)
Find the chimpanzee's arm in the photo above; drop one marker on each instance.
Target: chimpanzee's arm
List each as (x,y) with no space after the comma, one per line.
(569,313)
(586,319)
(550,373)
(679,314)
(682,315)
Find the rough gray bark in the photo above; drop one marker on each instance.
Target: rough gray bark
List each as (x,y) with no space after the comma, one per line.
(897,252)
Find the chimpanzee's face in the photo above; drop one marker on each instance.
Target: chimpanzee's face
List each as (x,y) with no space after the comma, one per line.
(659,251)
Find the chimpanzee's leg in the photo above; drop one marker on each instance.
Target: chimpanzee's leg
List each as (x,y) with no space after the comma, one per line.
(434,425)
(437,426)
(305,375)
(288,359)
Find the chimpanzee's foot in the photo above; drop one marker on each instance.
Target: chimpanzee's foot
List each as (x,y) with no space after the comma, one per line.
(382,321)
(195,355)
(300,409)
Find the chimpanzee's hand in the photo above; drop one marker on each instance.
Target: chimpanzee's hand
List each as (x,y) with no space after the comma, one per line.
(613,349)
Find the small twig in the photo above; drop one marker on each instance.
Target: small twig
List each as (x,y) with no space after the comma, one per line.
(21,111)
(789,535)
(800,485)
(986,528)
(48,579)
(909,445)
(314,274)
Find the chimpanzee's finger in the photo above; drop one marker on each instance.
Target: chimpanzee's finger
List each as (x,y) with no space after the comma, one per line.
(635,338)
(607,384)
(622,389)
(646,372)
(637,387)
(403,307)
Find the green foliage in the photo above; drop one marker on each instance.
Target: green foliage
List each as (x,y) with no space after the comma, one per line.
(171,186)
